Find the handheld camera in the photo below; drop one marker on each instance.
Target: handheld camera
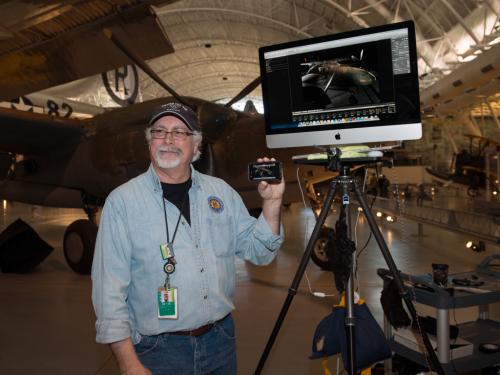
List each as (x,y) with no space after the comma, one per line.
(269,171)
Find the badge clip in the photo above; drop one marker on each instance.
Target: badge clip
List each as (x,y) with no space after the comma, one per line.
(167,251)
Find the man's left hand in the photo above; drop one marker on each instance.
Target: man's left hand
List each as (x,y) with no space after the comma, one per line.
(272,197)
(271,191)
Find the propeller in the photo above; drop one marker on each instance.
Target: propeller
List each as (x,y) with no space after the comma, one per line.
(141,64)
(213,118)
(246,90)
(145,67)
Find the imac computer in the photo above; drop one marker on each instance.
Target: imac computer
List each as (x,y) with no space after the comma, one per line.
(348,88)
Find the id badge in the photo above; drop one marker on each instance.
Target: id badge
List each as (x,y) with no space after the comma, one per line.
(167,303)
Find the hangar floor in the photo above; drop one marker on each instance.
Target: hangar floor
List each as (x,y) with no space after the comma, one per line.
(47,321)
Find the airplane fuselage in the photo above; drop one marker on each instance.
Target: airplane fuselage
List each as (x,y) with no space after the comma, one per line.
(113,149)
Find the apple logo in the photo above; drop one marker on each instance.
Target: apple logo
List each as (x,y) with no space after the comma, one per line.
(337,136)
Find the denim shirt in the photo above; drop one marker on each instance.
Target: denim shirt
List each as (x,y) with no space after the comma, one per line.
(128,266)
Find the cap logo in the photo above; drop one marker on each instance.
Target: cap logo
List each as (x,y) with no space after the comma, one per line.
(174,106)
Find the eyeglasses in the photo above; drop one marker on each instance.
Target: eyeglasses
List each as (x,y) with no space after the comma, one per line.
(178,135)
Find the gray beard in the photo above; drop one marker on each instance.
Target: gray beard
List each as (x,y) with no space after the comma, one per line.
(168,164)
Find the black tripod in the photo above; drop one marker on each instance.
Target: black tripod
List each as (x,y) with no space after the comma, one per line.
(346,182)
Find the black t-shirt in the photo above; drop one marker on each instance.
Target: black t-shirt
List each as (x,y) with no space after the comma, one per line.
(178,195)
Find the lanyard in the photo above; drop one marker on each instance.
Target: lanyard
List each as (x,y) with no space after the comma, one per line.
(167,250)
(178,219)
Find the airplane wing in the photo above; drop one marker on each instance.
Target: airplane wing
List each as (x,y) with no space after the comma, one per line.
(31,133)
(66,42)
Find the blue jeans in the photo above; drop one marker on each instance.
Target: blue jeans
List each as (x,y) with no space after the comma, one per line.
(212,353)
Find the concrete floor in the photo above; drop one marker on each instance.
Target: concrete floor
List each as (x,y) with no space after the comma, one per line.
(47,320)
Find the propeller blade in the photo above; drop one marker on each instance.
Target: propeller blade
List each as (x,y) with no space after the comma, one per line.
(142,64)
(246,90)
(329,83)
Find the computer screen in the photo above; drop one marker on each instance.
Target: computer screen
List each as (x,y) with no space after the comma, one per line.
(354,87)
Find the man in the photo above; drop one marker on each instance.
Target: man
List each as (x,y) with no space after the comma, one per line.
(163,272)
(421,195)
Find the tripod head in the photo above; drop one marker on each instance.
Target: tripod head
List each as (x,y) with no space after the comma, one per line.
(341,160)
(344,159)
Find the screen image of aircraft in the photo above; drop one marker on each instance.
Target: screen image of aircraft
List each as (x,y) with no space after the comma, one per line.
(345,77)
(339,83)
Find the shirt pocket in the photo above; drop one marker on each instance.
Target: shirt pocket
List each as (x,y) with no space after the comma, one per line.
(144,233)
(221,234)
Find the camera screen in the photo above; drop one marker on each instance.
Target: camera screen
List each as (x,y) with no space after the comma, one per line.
(268,171)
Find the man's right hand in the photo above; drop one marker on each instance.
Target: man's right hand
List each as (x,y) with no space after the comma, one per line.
(127,359)
(139,370)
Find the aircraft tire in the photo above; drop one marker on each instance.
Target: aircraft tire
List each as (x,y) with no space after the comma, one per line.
(472,192)
(79,243)
(319,255)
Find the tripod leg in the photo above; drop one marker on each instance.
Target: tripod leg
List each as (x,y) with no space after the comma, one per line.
(298,275)
(434,362)
(350,318)
(350,326)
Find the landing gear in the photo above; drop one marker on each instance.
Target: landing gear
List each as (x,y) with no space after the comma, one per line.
(319,253)
(79,239)
(79,242)
(472,192)
(474,184)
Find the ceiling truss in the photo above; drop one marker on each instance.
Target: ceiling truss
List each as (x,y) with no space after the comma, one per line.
(216,41)
(251,25)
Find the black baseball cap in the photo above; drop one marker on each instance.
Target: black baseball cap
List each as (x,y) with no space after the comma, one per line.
(181,111)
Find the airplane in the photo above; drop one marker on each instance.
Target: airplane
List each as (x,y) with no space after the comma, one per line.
(338,82)
(117,87)
(468,167)
(52,105)
(347,74)
(46,44)
(64,162)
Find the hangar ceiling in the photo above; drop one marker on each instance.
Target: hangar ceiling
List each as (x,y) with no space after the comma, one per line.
(216,41)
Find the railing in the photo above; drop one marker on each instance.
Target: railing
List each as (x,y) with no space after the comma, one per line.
(483,226)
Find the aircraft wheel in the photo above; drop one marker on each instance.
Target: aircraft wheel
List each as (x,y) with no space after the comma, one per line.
(79,242)
(319,253)
(472,192)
